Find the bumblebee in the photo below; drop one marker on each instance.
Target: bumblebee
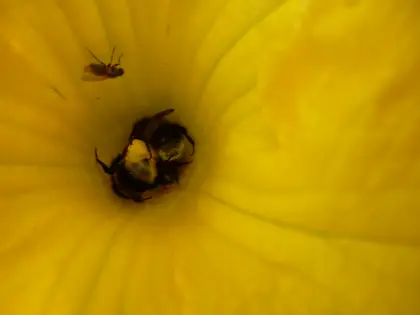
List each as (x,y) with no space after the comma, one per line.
(153,159)
(132,174)
(166,138)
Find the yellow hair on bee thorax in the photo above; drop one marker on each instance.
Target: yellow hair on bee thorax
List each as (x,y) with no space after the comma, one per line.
(137,161)
(137,150)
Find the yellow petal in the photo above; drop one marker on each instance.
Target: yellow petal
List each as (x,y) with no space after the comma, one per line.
(302,198)
(343,97)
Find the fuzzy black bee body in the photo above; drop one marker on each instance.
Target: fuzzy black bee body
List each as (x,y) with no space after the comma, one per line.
(160,134)
(164,143)
(124,183)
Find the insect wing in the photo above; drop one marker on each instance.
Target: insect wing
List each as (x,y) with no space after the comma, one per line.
(139,128)
(97,69)
(91,73)
(164,113)
(92,77)
(93,55)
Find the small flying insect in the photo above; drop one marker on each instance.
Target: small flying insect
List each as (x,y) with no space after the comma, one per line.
(163,136)
(101,71)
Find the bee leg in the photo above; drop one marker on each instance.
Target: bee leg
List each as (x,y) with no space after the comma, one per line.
(105,167)
(114,164)
(117,192)
(190,140)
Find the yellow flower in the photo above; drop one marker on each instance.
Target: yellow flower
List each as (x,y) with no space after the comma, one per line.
(304,194)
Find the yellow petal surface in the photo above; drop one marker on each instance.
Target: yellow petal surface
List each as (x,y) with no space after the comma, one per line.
(303,197)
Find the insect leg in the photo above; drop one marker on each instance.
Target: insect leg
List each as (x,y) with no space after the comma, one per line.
(112,55)
(118,192)
(114,164)
(119,60)
(104,167)
(96,58)
(190,140)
